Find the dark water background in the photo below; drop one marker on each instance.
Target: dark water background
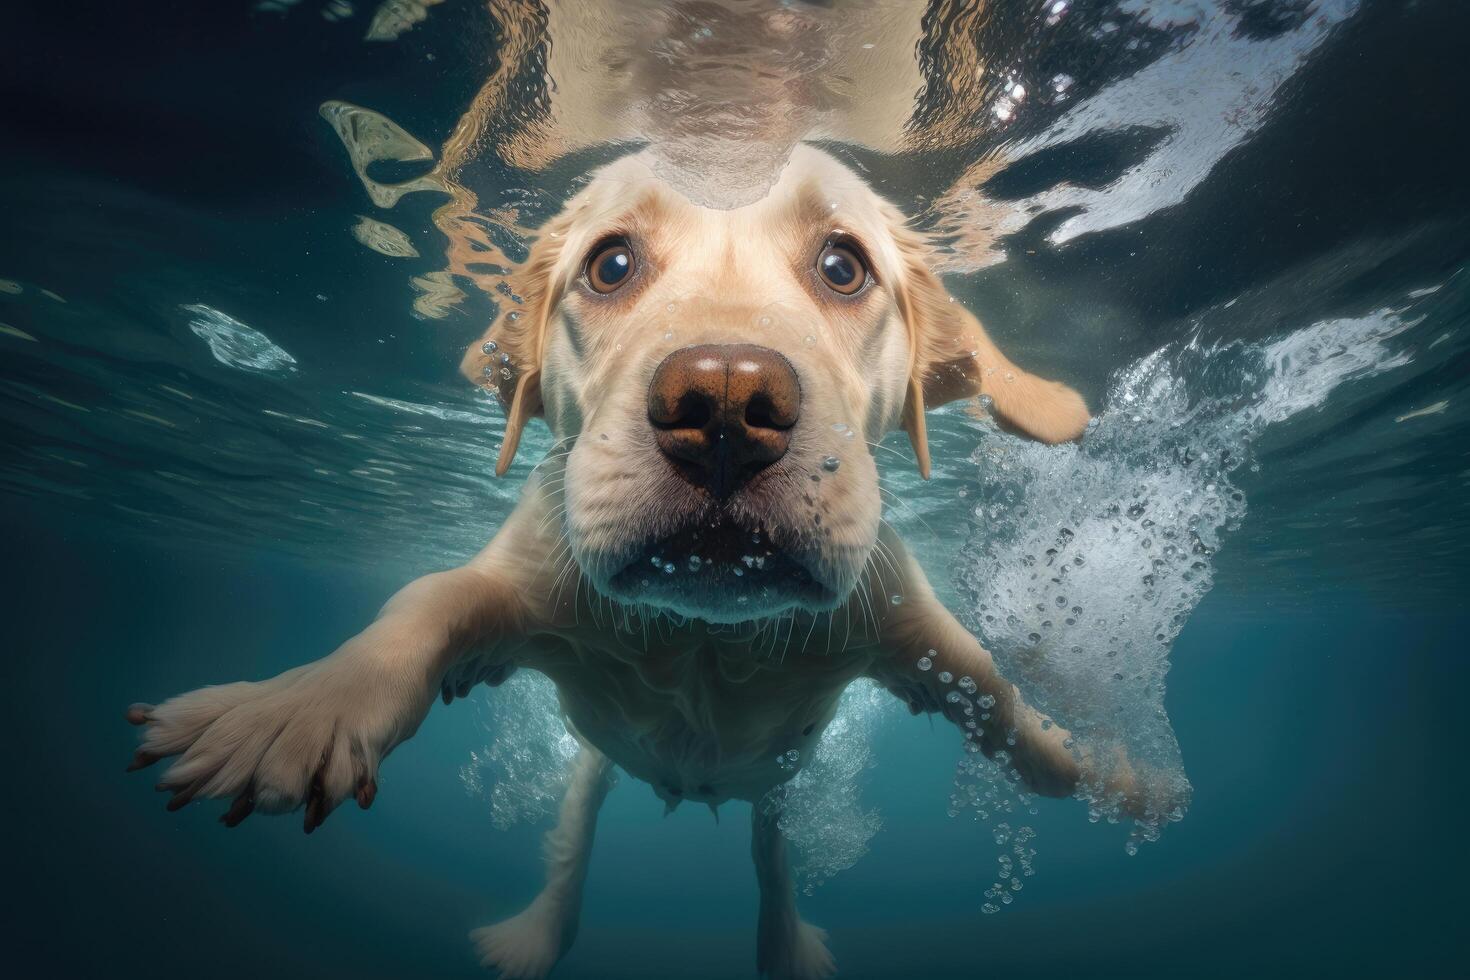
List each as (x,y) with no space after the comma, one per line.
(171,154)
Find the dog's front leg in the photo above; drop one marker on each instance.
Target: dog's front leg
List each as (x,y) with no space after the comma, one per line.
(786,948)
(315,735)
(933,663)
(528,945)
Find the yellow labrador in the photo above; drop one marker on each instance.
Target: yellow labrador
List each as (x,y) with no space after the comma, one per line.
(699,564)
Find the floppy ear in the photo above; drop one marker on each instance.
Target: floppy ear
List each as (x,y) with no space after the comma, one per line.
(508,357)
(953,358)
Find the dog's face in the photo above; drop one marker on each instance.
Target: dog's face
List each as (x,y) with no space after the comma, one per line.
(720,378)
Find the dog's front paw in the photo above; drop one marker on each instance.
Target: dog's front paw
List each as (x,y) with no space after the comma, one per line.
(526,946)
(314,735)
(789,949)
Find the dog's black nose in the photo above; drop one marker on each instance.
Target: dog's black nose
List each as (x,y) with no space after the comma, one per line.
(724,412)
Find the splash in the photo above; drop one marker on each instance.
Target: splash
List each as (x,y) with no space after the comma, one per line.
(1084,562)
(522,769)
(236,345)
(822,813)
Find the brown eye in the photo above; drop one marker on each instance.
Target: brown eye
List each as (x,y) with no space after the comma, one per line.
(610,265)
(842,269)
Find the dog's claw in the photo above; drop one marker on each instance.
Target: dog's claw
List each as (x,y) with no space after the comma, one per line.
(181,799)
(141,760)
(239,810)
(316,798)
(366,793)
(139,713)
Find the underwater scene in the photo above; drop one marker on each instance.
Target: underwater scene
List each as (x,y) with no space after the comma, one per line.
(634,348)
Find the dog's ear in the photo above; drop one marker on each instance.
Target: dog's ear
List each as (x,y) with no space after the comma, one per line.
(953,357)
(508,357)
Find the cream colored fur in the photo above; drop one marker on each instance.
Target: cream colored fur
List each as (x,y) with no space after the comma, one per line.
(698,709)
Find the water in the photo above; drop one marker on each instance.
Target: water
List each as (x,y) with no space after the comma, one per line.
(232,426)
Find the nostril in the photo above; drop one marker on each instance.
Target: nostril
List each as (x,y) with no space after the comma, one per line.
(761,413)
(693,410)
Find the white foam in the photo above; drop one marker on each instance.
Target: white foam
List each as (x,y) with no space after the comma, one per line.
(522,769)
(822,813)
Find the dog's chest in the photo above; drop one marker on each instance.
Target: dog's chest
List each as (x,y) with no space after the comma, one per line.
(706,721)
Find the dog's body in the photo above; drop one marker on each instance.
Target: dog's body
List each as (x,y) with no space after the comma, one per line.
(699,565)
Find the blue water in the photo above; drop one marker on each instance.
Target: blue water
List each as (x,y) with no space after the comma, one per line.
(183,505)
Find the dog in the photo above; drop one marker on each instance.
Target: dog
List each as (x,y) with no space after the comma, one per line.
(700,563)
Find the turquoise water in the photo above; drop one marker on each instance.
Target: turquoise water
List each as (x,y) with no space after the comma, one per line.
(229,434)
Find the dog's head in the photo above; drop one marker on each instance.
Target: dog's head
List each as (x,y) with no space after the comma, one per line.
(722,376)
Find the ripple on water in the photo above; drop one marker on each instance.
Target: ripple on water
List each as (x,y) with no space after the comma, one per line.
(237,345)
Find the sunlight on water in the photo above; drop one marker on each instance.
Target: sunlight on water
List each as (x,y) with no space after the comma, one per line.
(1208,92)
